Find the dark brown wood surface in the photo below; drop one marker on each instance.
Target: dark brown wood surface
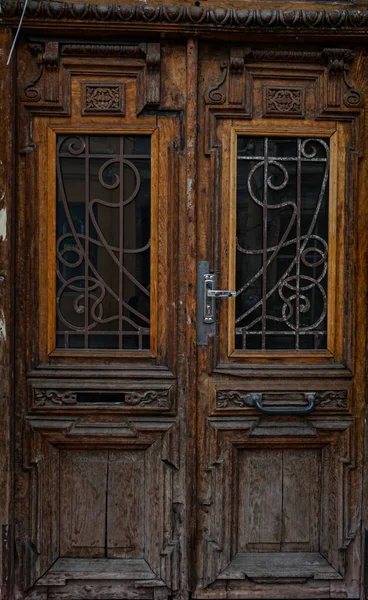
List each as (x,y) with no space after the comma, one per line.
(182,487)
(7,179)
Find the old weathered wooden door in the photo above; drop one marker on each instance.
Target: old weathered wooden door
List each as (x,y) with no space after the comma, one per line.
(280,371)
(190,320)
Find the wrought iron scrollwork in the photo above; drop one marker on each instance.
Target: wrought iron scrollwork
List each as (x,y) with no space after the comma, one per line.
(283,301)
(92,267)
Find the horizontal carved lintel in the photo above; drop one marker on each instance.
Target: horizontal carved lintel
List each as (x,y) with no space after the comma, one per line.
(198,18)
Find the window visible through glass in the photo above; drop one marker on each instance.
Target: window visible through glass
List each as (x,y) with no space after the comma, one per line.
(282,243)
(103,230)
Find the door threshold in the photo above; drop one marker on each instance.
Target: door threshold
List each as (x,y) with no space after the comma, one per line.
(263,566)
(64,569)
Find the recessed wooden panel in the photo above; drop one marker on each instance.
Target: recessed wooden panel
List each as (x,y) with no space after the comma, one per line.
(125,505)
(279,500)
(102,503)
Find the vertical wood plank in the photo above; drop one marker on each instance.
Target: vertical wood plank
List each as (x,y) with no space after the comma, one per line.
(125,505)
(301,500)
(260,500)
(83,484)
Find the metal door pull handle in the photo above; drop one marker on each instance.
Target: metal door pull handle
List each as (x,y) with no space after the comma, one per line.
(220,294)
(309,397)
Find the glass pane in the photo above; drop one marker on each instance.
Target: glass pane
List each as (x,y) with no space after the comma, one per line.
(103,242)
(282,236)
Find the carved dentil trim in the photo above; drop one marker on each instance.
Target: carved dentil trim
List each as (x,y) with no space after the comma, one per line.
(243,18)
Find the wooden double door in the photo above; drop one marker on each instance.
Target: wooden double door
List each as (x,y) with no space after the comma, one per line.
(190,320)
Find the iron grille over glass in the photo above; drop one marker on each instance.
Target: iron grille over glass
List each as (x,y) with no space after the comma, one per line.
(282,243)
(103,228)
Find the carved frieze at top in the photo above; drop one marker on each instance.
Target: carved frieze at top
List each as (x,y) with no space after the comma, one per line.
(234,83)
(49,84)
(354,21)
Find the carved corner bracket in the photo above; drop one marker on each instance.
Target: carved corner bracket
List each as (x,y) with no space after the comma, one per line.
(149,80)
(45,86)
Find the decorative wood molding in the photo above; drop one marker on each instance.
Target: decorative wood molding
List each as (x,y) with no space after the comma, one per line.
(214,94)
(49,90)
(54,397)
(283,101)
(243,399)
(132,399)
(103,98)
(148,398)
(47,58)
(117,50)
(236,83)
(198,18)
(333,399)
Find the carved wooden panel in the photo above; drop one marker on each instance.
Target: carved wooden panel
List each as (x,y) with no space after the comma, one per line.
(283,101)
(103,98)
(281,479)
(329,399)
(118,395)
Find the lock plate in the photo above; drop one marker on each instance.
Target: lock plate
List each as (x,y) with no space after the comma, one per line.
(206,308)
(209,306)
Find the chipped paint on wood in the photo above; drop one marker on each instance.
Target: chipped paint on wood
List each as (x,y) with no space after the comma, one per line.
(3,222)
(2,327)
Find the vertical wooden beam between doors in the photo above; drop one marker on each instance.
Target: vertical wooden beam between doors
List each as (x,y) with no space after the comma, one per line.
(189,282)
(7,177)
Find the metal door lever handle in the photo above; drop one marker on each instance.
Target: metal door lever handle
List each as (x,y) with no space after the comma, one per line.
(210,295)
(220,294)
